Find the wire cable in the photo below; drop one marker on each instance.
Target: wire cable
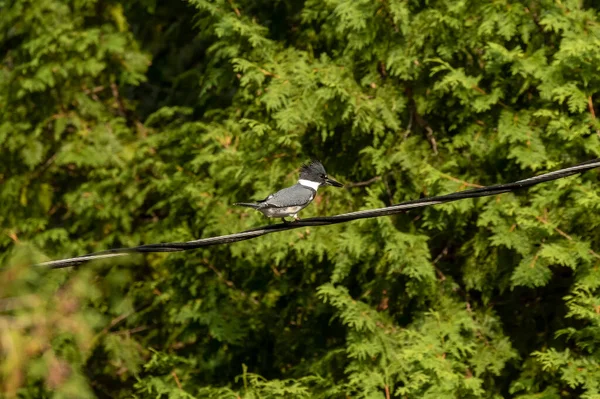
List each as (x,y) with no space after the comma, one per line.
(328,220)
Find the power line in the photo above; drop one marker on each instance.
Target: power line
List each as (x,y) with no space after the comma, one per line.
(322,221)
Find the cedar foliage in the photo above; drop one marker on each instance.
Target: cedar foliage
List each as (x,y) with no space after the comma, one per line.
(143,122)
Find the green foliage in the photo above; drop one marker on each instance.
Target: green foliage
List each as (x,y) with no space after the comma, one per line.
(144,122)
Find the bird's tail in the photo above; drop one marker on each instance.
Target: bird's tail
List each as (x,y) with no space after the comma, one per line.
(252,205)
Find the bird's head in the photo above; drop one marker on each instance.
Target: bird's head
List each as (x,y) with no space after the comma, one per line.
(315,172)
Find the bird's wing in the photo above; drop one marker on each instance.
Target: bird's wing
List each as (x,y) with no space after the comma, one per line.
(291,196)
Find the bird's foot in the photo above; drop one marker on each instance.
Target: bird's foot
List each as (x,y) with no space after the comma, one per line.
(296,218)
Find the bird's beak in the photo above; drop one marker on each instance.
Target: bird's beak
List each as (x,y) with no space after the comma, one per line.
(331,182)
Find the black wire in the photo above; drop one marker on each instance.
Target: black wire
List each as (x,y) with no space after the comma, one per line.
(321,221)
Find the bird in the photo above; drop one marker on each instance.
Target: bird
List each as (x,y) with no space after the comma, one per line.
(291,200)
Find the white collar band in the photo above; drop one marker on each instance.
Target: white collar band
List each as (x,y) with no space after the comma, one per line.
(307,183)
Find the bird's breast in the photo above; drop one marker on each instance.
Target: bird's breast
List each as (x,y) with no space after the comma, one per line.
(281,212)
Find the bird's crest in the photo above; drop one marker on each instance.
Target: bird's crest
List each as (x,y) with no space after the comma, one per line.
(314,167)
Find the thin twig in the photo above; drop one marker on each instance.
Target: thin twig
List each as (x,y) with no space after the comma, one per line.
(562,233)
(130,331)
(441,255)
(235,9)
(464,183)
(115,92)
(592,112)
(174,374)
(363,183)
(431,139)
(408,127)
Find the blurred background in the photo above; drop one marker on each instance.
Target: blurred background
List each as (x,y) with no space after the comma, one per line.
(143,122)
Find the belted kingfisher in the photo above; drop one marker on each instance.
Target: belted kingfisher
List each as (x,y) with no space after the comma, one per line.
(291,200)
